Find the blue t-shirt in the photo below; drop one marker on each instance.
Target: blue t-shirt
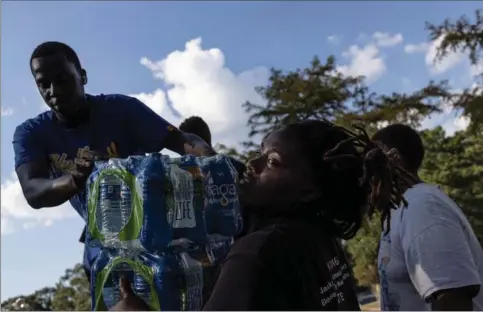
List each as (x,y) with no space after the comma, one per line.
(119,126)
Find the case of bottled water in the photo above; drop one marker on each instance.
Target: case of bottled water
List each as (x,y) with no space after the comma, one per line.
(163,223)
(154,278)
(125,200)
(170,280)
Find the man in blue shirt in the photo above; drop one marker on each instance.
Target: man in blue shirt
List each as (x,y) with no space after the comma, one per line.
(54,152)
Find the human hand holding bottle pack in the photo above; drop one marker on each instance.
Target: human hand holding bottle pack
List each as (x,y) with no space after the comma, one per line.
(149,215)
(84,165)
(195,145)
(129,300)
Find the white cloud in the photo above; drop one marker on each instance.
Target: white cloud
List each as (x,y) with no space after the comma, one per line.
(415,48)
(14,208)
(476,69)
(434,66)
(30,225)
(198,83)
(450,119)
(461,123)
(448,62)
(385,39)
(6,111)
(7,226)
(365,61)
(157,101)
(335,39)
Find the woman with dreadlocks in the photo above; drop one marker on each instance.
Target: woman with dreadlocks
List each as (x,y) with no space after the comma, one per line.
(311,186)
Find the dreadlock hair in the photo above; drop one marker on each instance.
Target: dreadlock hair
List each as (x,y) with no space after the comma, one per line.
(196,125)
(355,175)
(49,48)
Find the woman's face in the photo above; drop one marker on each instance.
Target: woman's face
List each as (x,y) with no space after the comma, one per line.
(280,176)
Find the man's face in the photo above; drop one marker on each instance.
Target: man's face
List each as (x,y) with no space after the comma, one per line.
(60,84)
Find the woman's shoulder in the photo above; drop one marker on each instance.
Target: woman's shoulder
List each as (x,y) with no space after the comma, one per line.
(275,239)
(254,242)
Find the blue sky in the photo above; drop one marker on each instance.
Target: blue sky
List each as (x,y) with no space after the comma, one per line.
(121,44)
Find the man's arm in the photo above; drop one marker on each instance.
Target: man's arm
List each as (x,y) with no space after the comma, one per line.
(152,133)
(187,143)
(439,258)
(32,169)
(39,190)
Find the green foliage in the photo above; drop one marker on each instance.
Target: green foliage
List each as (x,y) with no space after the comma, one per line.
(471,103)
(248,153)
(363,248)
(456,164)
(40,300)
(462,35)
(319,92)
(314,92)
(70,294)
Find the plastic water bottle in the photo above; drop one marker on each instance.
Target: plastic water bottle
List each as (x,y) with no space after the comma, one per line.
(219,246)
(193,273)
(222,208)
(141,288)
(182,215)
(112,291)
(115,206)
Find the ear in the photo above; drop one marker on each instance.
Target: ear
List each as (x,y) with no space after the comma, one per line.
(84,76)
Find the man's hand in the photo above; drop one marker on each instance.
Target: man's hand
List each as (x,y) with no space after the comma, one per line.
(129,300)
(187,143)
(196,146)
(454,299)
(83,167)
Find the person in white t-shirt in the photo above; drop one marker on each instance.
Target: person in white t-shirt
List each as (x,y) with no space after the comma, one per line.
(431,258)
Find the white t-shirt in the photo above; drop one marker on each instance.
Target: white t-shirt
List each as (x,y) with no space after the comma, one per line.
(431,246)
